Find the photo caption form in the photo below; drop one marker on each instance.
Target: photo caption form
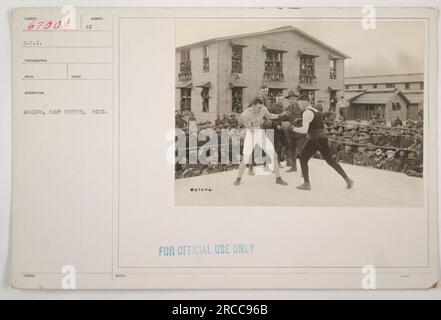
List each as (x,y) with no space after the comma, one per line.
(93,105)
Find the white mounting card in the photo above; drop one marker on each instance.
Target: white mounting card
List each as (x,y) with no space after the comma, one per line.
(102,98)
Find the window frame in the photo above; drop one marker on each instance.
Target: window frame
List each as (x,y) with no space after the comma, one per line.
(307,69)
(236,59)
(333,69)
(185,99)
(237,97)
(205,96)
(273,65)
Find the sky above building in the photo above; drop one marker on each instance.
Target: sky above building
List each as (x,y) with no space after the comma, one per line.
(395,46)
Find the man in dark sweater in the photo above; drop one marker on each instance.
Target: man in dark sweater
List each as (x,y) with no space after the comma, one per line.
(317,140)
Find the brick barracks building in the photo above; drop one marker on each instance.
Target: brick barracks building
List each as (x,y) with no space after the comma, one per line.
(220,76)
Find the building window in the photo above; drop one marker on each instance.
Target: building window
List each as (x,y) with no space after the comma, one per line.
(310,93)
(421,85)
(272,94)
(407,86)
(185,66)
(307,70)
(185,55)
(236,99)
(274,65)
(333,69)
(360,86)
(205,60)
(236,59)
(205,99)
(346,86)
(390,85)
(332,99)
(185,98)
(374,86)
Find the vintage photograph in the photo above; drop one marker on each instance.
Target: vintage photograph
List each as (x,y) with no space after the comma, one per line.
(292,113)
(303,153)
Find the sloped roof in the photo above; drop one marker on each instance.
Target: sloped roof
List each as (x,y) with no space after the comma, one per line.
(351,94)
(387,78)
(276,30)
(414,97)
(377,97)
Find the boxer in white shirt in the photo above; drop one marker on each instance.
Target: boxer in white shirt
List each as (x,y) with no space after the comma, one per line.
(253,118)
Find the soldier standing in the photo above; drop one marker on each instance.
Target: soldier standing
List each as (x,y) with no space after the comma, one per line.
(279,136)
(295,140)
(340,106)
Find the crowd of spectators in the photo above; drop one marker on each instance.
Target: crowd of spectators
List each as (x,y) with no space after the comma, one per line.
(396,146)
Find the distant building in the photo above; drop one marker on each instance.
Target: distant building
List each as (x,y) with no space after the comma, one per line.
(220,76)
(386,103)
(385,92)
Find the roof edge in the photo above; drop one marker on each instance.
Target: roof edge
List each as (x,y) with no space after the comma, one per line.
(276,30)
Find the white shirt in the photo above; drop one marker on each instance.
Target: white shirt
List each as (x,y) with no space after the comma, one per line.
(308,116)
(254,119)
(338,106)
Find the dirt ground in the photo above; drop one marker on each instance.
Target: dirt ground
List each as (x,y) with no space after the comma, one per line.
(373,188)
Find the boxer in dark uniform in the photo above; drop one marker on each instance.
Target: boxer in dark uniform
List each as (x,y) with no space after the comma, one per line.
(316,141)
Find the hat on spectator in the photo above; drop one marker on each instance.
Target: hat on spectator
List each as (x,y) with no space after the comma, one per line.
(305,97)
(411,155)
(418,137)
(378,152)
(292,93)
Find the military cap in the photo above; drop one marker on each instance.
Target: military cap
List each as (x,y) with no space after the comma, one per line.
(292,93)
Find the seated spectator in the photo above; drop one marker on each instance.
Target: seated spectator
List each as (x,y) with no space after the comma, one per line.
(391,162)
(225,121)
(394,139)
(370,157)
(191,117)
(233,122)
(360,158)
(218,122)
(397,122)
(346,155)
(413,167)
(379,159)
(179,121)
(406,140)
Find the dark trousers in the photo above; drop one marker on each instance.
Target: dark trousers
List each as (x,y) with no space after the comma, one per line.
(280,142)
(294,146)
(311,147)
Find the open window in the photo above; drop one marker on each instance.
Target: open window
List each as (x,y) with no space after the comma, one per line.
(185,66)
(332,68)
(274,65)
(236,59)
(307,69)
(205,60)
(185,102)
(236,99)
(205,95)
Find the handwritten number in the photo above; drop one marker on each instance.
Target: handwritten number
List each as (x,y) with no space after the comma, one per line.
(47,25)
(57,24)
